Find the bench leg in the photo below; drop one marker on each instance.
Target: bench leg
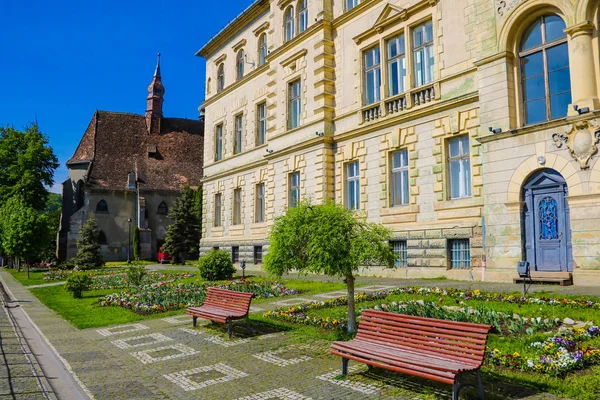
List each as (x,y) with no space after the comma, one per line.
(345,366)
(369,368)
(480,389)
(194,321)
(229,329)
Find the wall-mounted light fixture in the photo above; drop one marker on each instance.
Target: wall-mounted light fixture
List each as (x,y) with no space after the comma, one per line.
(495,130)
(270,151)
(319,134)
(581,110)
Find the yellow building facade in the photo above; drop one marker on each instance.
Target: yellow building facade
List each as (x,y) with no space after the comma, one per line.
(450,122)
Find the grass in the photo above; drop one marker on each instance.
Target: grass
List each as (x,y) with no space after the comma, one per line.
(35,278)
(124,263)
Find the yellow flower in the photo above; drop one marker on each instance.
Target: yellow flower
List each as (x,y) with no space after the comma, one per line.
(538,366)
(515,354)
(476,291)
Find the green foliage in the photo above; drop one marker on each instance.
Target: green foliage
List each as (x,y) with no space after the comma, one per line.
(27,165)
(216,265)
(135,275)
(137,245)
(20,229)
(49,224)
(183,235)
(76,284)
(327,239)
(88,249)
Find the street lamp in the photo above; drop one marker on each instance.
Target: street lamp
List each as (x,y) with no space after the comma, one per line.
(129,242)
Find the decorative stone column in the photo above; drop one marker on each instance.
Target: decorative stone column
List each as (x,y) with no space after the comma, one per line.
(581,61)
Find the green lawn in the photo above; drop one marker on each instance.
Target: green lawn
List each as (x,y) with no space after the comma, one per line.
(35,278)
(124,263)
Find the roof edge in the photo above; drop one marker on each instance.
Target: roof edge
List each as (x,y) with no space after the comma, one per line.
(246,16)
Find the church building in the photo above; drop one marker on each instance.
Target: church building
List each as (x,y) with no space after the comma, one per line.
(128,170)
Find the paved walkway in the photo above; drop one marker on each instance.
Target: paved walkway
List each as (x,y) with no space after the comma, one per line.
(168,359)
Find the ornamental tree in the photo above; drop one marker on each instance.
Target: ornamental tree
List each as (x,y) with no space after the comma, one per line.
(183,235)
(88,246)
(21,228)
(327,239)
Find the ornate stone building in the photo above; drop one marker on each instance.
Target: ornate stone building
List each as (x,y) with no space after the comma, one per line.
(467,127)
(128,170)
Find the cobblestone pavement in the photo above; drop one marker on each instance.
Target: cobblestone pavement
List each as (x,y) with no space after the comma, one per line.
(168,359)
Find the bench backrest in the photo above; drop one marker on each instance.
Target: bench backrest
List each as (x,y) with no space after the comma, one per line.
(461,341)
(228,299)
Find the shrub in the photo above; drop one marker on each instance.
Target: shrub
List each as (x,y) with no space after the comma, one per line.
(135,275)
(216,265)
(76,284)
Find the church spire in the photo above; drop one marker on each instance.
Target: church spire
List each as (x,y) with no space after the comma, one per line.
(156,92)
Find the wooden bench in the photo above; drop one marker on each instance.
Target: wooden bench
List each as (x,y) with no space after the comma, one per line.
(221,305)
(429,348)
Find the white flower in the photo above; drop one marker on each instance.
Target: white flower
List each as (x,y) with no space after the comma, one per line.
(530,363)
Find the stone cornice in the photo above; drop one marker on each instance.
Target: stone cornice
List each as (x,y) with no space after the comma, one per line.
(349,15)
(493,57)
(238,45)
(220,59)
(325,140)
(291,59)
(283,3)
(235,85)
(262,27)
(234,171)
(247,16)
(317,26)
(584,28)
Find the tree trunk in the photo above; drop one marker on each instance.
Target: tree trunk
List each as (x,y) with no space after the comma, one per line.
(18,262)
(351,310)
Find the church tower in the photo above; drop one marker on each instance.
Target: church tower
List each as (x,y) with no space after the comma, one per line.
(156,92)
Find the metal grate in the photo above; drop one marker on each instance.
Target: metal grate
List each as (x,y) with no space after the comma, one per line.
(235,254)
(460,253)
(258,255)
(401,251)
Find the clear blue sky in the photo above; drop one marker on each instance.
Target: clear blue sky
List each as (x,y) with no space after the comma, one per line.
(61,60)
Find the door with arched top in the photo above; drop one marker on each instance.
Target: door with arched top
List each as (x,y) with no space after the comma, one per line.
(547,222)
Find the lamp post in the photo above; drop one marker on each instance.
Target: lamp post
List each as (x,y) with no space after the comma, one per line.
(129,242)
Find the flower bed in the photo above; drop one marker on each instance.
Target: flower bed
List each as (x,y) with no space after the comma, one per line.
(119,280)
(165,296)
(555,356)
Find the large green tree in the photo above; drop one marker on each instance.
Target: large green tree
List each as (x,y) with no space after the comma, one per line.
(27,165)
(20,231)
(327,239)
(183,235)
(88,246)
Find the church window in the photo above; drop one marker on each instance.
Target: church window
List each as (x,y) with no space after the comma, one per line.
(102,207)
(80,195)
(163,209)
(102,238)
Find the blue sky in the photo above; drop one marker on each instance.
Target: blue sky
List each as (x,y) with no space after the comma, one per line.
(61,60)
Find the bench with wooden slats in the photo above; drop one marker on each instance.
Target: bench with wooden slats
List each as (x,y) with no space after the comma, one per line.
(429,348)
(224,306)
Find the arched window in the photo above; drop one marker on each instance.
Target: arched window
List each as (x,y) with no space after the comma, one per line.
(79,195)
(289,24)
(163,209)
(221,78)
(102,207)
(262,49)
(544,58)
(102,238)
(240,61)
(208,85)
(302,15)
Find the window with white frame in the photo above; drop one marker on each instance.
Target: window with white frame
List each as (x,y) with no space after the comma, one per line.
(239,134)
(423,59)
(399,178)
(240,62)
(302,15)
(545,75)
(352,186)
(220,78)
(262,49)
(218,209)
(260,203)
(219,142)
(396,54)
(237,206)
(460,253)
(350,4)
(294,198)
(372,75)
(400,250)
(261,124)
(295,104)
(459,167)
(289,24)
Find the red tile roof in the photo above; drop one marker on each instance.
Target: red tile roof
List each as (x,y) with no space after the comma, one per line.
(118,143)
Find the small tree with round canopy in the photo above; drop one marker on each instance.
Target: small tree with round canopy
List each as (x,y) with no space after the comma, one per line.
(327,239)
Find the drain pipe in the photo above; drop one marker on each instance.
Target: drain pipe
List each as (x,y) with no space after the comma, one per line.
(483,256)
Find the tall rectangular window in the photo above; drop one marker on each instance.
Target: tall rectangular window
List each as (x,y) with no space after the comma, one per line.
(294,106)
(372,72)
(399,178)
(460,253)
(258,250)
(261,124)
(218,209)
(302,15)
(235,254)
(396,53)
(401,252)
(350,4)
(237,206)
(294,198)
(423,60)
(219,142)
(260,203)
(239,134)
(459,167)
(352,186)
